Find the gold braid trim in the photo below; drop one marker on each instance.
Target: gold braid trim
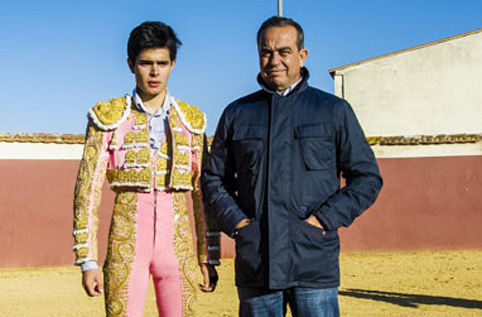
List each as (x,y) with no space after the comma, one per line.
(184,249)
(120,253)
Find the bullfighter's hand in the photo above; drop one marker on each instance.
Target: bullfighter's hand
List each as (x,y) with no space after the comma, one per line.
(92,282)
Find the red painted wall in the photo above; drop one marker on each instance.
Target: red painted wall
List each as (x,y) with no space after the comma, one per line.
(426,204)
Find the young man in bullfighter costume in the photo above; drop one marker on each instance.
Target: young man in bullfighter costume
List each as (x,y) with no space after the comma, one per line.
(150,146)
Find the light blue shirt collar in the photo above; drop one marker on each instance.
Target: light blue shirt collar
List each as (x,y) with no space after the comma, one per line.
(157,121)
(162,111)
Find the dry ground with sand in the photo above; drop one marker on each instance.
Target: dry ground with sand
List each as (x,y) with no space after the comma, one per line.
(380,284)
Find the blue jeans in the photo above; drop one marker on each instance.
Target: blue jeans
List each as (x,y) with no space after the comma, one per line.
(304,302)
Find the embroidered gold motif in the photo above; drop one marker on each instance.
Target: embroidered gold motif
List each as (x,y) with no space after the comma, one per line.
(174,118)
(120,253)
(195,118)
(81,254)
(180,180)
(164,149)
(181,139)
(136,159)
(132,139)
(145,175)
(143,156)
(184,158)
(87,195)
(184,248)
(107,115)
(130,157)
(197,142)
(130,178)
(113,142)
(141,120)
(81,238)
(163,163)
(142,137)
(181,161)
(173,162)
(129,137)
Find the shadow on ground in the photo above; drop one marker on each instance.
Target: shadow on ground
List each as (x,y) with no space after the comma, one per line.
(411,300)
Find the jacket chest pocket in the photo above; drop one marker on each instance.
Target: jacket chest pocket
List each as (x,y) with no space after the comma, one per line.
(248,147)
(317,146)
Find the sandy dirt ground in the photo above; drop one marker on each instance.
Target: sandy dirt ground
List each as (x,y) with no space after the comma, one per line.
(385,284)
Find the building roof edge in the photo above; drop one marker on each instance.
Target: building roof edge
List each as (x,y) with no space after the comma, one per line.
(336,69)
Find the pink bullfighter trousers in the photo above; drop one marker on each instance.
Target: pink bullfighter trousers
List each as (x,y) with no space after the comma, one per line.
(141,243)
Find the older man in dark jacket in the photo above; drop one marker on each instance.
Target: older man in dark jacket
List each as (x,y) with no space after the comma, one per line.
(273,179)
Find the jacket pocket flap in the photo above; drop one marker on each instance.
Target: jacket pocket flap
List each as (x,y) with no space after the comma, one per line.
(319,130)
(249,133)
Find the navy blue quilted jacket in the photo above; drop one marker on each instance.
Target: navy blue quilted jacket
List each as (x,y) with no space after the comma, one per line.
(276,160)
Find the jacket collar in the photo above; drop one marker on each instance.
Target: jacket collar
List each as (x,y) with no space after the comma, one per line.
(305,74)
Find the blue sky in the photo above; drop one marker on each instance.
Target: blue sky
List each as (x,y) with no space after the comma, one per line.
(58,58)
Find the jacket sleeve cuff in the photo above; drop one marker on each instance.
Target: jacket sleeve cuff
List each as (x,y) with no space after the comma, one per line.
(89,265)
(233,231)
(321,216)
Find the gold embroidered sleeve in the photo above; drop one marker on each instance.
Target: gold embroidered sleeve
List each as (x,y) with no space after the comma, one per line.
(208,235)
(90,177)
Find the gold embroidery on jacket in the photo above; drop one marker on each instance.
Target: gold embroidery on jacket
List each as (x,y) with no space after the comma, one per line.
(129,138)
(109,115)
(136,140)
(184,249)
(197,143)
(174,159)
(181,180)
(130,157)
(184,158)
(87,197)
(113,141)
(120,253)
(141,120)
(163,164)
(130,178)
(137,159)
(181,159)
(181,139)
(194,117)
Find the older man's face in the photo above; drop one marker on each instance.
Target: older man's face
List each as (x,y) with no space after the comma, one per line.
(280,59)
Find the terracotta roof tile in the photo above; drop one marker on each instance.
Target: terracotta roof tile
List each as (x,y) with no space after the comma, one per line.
(62,138)
(59,138)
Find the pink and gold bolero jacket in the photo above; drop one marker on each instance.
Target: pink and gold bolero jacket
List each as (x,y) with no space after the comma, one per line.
(117,146)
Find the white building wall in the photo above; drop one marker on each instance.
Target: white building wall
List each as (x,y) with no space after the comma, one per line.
(436,89)
(40,151)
